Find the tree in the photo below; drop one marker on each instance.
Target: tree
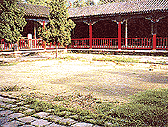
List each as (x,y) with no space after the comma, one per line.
(59,26)
(12,20)
(90,3)
(83,3)
(39,2)
(79,3)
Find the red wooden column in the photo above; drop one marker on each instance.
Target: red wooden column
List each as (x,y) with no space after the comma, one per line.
(43,24)
(90,36)
(119,35)
(154,31)
(154,41)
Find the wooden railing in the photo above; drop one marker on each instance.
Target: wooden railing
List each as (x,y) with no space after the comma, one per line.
(136,43)
(5,46)
(79,43)
(110,43)
(97,43)
(162,43)
(30,43)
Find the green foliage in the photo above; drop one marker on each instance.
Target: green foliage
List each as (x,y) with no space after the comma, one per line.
(117,59)
(146,109)
(38,2)
(82,3)
(109,1)
(7,64)
(40,106)
(10,88)
(59,26)
(12,20)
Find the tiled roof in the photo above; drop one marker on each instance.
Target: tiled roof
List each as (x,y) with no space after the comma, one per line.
(119,7)
(111,8)
(35,10)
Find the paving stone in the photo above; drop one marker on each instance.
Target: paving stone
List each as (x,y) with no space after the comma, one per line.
(1,109)
(3,120)
(27,105)
(12,124)
(29,110)
(27,119)
(20,103)
(50,110)
(16,115)
(5,113)
(42,114)
(1,98)
(56,118)
(71,121)
(13,100)
(8,99)
(27,126)
(2,104)
(4,99)
(55,125)
(109,124)
(81,124)
(40,122)
(97,126)
(10,106)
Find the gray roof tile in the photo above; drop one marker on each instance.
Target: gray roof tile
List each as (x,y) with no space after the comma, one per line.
(119,7)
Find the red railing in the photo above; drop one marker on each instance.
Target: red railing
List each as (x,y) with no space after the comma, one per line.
(136,43)
(5,46)
(30,43)
(162,43)
(97,43)
(79,43)
(110,43)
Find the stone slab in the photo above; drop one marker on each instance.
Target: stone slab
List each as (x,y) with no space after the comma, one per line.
(27,126)
(2,104)
(97,126)
(42,114)
(56,118)
(3,120)
(27,119)
(55,125)
(41,122)
(71,121)
(1,109)
(12,124)
(5,113)
(29,110)
(16,115)
(82,124)
(10,106)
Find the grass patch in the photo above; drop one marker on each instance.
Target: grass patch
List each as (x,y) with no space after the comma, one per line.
(10,88)
(7,64)
(148,108)
(117,59)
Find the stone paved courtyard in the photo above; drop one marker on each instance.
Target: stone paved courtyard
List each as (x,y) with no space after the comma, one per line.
(8,118)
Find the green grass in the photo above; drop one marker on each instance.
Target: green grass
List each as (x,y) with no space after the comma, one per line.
(10,88)
(7,64)
(116,59)
(149,108)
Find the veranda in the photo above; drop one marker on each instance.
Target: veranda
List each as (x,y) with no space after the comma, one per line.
(118,26)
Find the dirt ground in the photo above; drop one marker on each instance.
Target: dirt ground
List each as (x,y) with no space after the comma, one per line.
(106,80)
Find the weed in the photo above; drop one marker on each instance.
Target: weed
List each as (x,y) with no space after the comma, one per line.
(7,64)
(10,88)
